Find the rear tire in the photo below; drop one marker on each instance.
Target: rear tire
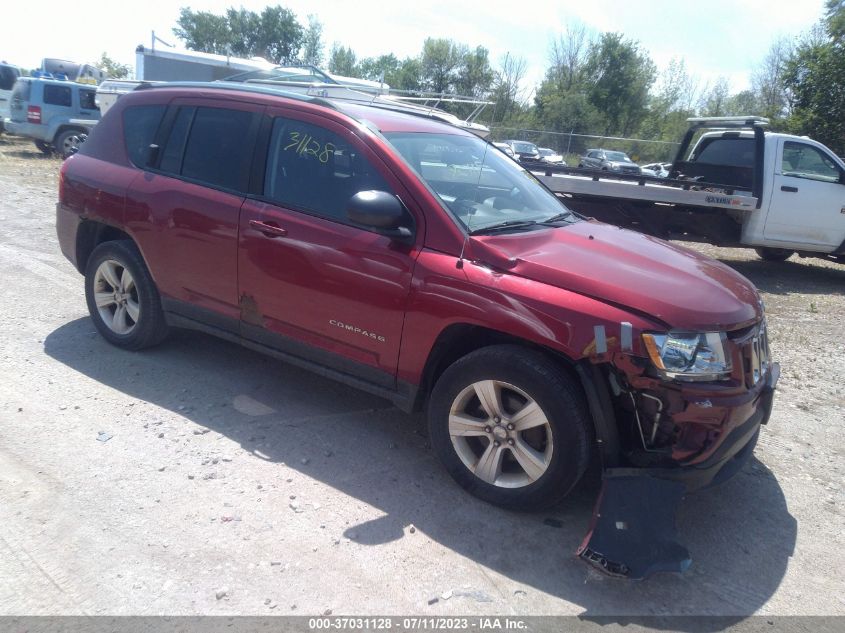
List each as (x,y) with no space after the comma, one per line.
(122,298)
(511,427)
(774,254)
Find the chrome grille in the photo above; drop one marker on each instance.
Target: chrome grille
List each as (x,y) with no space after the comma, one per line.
(757,355)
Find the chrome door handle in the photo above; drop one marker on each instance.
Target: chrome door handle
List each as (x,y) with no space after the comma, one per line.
(268,229)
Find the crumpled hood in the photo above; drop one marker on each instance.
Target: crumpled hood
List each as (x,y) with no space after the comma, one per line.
(680,287)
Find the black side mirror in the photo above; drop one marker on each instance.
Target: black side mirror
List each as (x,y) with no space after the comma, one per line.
(380,211)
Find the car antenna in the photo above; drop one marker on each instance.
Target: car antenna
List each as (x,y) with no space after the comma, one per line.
(460,263)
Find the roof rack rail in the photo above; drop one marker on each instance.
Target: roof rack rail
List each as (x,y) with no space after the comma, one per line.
(239,86)
(396,103)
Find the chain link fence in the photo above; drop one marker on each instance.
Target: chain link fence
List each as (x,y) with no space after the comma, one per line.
(571,146)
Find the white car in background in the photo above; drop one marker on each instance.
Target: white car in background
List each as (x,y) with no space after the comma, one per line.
(660,170)
(8,76)
(506,149)
(550,156)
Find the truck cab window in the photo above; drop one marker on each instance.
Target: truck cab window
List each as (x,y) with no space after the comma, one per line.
(805,161)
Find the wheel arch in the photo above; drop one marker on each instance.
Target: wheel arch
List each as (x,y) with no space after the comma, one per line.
(91,234)
(459,339)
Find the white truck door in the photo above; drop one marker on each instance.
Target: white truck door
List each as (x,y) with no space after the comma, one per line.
(807,207)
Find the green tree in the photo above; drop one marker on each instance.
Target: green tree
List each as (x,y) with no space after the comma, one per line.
(767,81)
(244,32)
(280,35)
(814,79)
(715,101)
(312,42)
(619,76)
(474,75)
(204,31)
(383,67)
(507,92)
(670,104)
(274,34)
(835,18)
(112,68)
(440,63)
(343,61)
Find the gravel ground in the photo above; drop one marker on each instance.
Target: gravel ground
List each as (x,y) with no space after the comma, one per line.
(201,478)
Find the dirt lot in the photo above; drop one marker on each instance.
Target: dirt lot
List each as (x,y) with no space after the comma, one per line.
(235,484)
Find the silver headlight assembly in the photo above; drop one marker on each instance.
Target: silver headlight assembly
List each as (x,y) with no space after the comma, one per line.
(699,356)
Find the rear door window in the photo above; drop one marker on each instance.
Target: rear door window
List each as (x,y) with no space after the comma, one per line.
(57,95)
(216,152)
(139,127)
(171,158)
(312,169)
(210,145)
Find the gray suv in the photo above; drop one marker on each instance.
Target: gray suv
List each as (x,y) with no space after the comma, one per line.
(609,160)
(56,114)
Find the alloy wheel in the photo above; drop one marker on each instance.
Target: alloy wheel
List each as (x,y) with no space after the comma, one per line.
(116,297)
(501,434)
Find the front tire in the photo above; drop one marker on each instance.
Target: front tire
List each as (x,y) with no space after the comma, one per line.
(122,298)
(774,254)
(511,427)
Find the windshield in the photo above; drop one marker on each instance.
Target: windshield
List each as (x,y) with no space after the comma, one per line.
(618,156)
(480,187)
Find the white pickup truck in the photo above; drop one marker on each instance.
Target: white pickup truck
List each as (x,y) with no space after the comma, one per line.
(739,185)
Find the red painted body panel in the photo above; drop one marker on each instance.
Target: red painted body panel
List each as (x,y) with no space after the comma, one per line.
(188,235)
(321,277)
(675,285)
(444,295)
(365,298)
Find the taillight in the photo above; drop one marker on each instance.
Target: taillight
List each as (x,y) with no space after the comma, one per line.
(62,181)
(33,114)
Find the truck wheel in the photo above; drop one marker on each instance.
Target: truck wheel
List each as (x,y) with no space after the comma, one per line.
(774,254)
(68,142)
(44,146)
(122,298)
(510,426)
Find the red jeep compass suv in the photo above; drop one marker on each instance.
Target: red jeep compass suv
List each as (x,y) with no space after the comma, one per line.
(409,258)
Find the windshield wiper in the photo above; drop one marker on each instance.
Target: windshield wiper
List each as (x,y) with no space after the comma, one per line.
(557,218)
(503,226)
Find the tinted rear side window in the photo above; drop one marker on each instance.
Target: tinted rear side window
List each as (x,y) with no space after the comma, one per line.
(171,158)
(139,127)
(86,100)
(57,95)
(217,151)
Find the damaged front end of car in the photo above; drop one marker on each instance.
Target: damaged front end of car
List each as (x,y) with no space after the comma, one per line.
(682,414)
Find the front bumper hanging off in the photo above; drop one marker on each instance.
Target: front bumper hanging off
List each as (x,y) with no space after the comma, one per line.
(633,533)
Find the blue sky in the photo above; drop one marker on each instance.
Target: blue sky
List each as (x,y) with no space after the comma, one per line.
(715,38)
